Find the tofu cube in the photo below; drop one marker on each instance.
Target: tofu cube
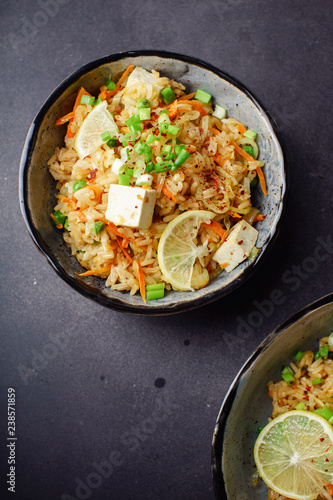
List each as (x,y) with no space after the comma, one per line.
(237,246)
(131,206)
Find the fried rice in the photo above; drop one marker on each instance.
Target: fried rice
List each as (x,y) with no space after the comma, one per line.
(286,396)
(217,177)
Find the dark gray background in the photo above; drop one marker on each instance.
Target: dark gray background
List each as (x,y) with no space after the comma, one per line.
(94,395)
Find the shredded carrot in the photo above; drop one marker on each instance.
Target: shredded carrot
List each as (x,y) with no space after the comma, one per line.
(96,271)
(186,97)
(330,489)
(103,93)
(215,226)
(128,257)
(270,393)
(58,226)
(70,201)
(190,149)
(241,128)
(98,194)
(167,193)
(224,265)
(234,214)
(141,282)
(81,216)
(173,109)
(65,118)
(259,218)
(215,131)
(113,92)
(262,180)
(196,105)
(80,93)
(113,228)
(243,153)
(123,76)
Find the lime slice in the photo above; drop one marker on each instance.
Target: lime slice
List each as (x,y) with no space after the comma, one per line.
(177,250)
(294,454)
(88,138)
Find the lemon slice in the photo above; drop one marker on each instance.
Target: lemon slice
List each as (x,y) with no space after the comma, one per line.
(294,454)
(88,138)
(177,250)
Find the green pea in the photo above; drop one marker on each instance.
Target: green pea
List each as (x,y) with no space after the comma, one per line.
(79,185)
(97,227)
(59,217)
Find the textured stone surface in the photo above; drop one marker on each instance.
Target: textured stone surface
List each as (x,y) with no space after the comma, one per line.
(143,393)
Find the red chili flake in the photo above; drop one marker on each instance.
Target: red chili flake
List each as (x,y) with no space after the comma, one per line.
(326,459)
(308,388)
(240,242)
(308,407)
(118,111)
(322,439)
(312,460)
(93,174)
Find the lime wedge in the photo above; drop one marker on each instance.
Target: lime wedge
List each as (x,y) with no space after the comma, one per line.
(294,454)
(88,137)
(178,252)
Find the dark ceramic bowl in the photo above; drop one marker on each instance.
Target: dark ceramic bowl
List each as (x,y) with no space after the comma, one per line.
(248,405)
(37,187)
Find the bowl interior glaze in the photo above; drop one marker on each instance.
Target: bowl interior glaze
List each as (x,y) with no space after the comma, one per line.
(247,405)
(37,187)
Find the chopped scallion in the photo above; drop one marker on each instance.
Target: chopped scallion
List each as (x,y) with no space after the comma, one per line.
(124,179)
(317,381)
(106,136)
(172,129)
(98,101)
(181,158)
(324,351)
(143,103)
(168,95)
(87,99)
(133,123)
(251,134)
(300,406)
(79,185)
(150,167)
(299,356)
(59,218)
(144,114)
(203,96)
(156,286)
(112,143)
(155,294)
(110,85)
(97,227)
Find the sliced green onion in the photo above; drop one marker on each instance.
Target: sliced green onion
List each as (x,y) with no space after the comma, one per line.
(144,114)
(133,123)
(259,429)
(110,85)
(299,356)
(128,137)
(59,217)
(124,179)
(150,139)
(331,420)
(144,180)
(317,355)
(128,171)
(138,148)
(324,412)
(324,351)
(87,99)
(166,148)
(249,150)
(148,152)
(96,242)
(254,182)
(172,129)
(287,369)
(97,227)
(253,254)
(164,127)
(155,294)
(330,340)
(178,148)
(156,286)
(317,381)
(181,158)
(143,103)
(168,95)
(79,185)
(98,101)
(203,96)
(113,142)
(161,167)
(163,118)
(106,136)
(66,225)
(219,112)
(139,168)
(288,377)
(300,406)
(165,110)
(150,167)
(251,134)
